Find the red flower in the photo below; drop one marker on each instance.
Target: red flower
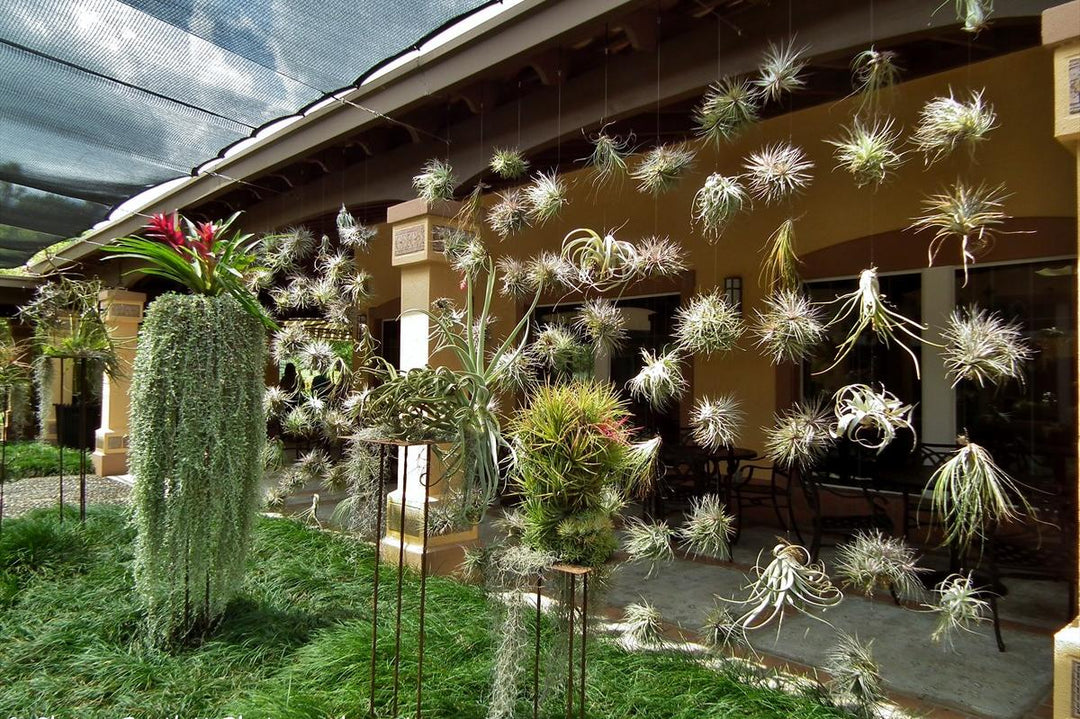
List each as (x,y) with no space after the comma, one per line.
(206,231)
(166,228)
(615,430)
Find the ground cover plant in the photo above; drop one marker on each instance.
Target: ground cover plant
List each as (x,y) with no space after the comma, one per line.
(38,459)
(295,641)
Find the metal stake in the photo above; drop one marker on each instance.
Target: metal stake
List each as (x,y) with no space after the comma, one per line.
(536,664)
(423,586)
(400,580)
(571,602)
(584,637)
(375,591)
(81,362)
(60,442)
(3,452)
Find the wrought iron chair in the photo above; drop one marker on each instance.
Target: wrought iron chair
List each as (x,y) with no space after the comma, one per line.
(776,492)
(818,486)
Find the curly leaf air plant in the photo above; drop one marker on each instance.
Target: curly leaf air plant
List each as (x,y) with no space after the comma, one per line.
(601,262)
(727,108)
(708,324)
(789,328)
(870,418)
(435,182)
(800,436)
(649,542)
(947,123)
(781,70)
(780,269)
(871,311)
(661,379)
(509,163)
(980,346)
(545,197)
(789,580)
(716,422)
(873,561)
(869,152)
(510,214)
(716,203)
(777,171)
(660,169)
(970,495)
(873,70)
(855,677)
(608,158)
(959,607)
(964,212)
(708,529)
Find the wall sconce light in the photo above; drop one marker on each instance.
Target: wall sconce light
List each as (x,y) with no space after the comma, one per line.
(733,292)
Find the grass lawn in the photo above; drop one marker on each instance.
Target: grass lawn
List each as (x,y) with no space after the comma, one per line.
(37,459)
(294,644)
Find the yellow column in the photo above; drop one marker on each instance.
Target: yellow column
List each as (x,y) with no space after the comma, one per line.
(425,276)
(1061,31)
(123,313)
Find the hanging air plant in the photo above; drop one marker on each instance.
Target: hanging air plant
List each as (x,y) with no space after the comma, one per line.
(514,370)
(855,679)
(780,270)
(982,347)
(351,233)
(288,341)
(660,380)
(966,213)
(873,561)
(974,14)
(728,108)
(557,347)
(970,495)
(789,580)
(608,158)
(716,422)
(717,202)
(546,197)
(947,123)
(871,71)
(603,323)
(435,182)
(870,418)
(600,262)
(657,256)
(547,271)
(708,529)
(707,324)
(510,214)
(869,152)
(789,327)
(800,436)
(648,542)
(464,250)
(515,277)
(780,70)
(959,607)
(275,401)
(644,625)
(285,250)
(660,169)
(777,171)
(872,311)
(509,163)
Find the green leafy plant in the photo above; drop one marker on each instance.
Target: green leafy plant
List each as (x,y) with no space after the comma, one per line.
(781,70)
(868,152)
(869,417)
(660,169)
(789,327)
(980,346)
(777,171)
(962,212)
(727,108)
(946,123)
(717,202)
(435,182)
(707,325)
(780,269)
(508,163)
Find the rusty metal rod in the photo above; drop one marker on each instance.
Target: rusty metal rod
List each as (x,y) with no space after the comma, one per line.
(423,587)
(375,591)
(536,661)
(81,362)
(400,581)
(584,638)
(570,603)
(59,441)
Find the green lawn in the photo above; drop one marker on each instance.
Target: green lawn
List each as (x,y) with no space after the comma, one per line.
(37,459)
(295,644)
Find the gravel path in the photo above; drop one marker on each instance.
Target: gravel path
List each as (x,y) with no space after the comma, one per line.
(34,492)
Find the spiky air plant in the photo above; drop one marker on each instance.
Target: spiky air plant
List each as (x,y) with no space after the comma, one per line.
(317,356)
(603,324)
(274,499)
(980,346)
(299,422)
(966,213)
(608,158)
(275,401)
(781,70)
(800,436)
(465,251)
(790,579)
(508,163)
(515,370)
(946,123)
(648,542)
(557,347)
(727,108)
(869,417)
(285,250)
(351,233)
(855,677)
(974,14)
(970,495)
(868,152)
(708,324)
(777,171)
(789,327)
(600,262)
(548,271)
(661,379)
(721,631)
(660,169)
(312,464)
(644,624)
(546,196)
(716,422)
(510,214)
(708,528)
(780,268)
(873,70)
(716,203)
(435,182)
(515,277)
(334,266)
(959,606)
(657,256)
(872,561)
(872,311)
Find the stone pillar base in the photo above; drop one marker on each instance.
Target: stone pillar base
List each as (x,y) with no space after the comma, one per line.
(106,465)
(442,559)
(1067,671)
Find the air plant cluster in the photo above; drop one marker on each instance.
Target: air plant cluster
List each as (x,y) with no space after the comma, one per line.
(510,214)
(603,323)
(870,417)
(959,605)
(789,327)
(777,171)
(781,70)
(869,151)
(872,561)
(608,158)
(855,678)
(980,346)
(963,212)
(591,261)
(790,579)
(708,324)
(352,234)
(728,107)
(435,182)
(716,422)
(780,269)
(947,123)
(644,624)
(717,202)
(648,542)
(660,169)
(660,380)
(545,196)
(974,14)
(508,163)
(800,436)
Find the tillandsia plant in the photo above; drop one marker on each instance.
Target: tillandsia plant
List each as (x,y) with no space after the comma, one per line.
(781,70)
(868,152)
(716,203)
(871,311)
(608,158)
(780,269)
(872,71)
(974,14)
(959,606)
(603,323)
(708,528)
(546,196)
(947,123)
(208,258)
(966,213)
(707,325)
(777,171)
(352,234)
(980,346)
(572,449)
(644,624)
(720,631)
(970,495)
(600,262)
(508,163)
(728,108)
(790,579)
(872,561)
(435,182)
(789,327)
(716,422)
(510,214)
(660,169)
(870,417)
(657,256)
(660,380)
(648,542)
(800,436)
(69,322)
(855,679)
